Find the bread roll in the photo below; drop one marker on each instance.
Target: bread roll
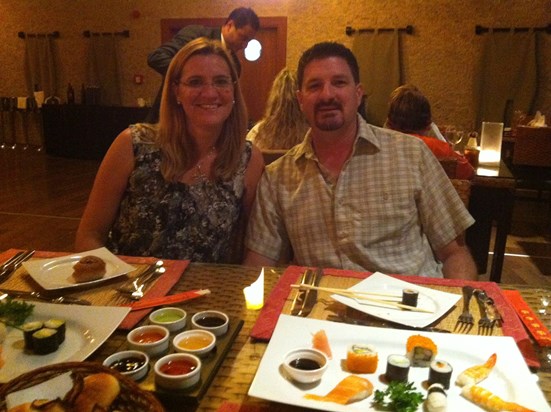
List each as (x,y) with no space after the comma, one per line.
(100,390)
(88,268)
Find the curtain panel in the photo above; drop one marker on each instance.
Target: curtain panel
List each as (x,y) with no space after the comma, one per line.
(378,55)
(41,64)
(103,68)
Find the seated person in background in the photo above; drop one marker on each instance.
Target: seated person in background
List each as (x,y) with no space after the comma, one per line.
(353,195)
(177,190)
(283,125)
(409,112)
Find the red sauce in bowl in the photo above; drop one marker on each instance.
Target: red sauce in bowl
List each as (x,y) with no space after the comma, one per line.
(148,337)
(178,367)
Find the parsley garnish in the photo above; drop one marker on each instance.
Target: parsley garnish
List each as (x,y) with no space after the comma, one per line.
(399,397)
(14,313)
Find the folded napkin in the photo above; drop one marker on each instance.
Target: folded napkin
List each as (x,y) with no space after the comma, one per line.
(267,319)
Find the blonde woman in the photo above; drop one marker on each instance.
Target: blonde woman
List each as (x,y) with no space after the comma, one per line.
(283,125)
(178,189)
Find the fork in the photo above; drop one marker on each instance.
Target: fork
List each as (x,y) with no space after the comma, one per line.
(485,324)
(465,322)
(136,290)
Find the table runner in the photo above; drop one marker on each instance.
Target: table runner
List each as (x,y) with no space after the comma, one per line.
(281,296)
(105,294)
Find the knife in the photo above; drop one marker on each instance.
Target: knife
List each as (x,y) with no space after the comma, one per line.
(69,300)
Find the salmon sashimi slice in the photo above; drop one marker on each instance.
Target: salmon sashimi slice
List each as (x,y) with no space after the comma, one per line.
(351,389)
(321,343)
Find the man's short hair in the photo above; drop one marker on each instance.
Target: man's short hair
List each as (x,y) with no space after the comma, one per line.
(409,110)
(244,16)
(325,50)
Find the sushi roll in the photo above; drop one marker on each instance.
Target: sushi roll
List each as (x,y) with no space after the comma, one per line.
(420,350)
(59,325)
(437,400)
(45,341)
(440,372)
(397,368)
(362,359)
(409,297)
(28,329)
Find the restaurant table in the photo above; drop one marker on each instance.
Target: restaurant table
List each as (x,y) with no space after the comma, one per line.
(232,382)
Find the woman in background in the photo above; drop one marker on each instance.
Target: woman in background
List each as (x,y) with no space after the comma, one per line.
(410,113)
(179,189)
(283,124)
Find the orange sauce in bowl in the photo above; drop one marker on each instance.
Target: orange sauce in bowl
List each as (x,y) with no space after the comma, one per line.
(195,342)
(178,367)
(148,337)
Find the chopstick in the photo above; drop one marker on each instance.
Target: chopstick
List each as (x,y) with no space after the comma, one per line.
(365,296)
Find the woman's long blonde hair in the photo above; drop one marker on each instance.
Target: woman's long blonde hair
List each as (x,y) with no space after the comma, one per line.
(283,124)
(179,152)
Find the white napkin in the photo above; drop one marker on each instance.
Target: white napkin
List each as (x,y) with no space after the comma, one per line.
(538,120)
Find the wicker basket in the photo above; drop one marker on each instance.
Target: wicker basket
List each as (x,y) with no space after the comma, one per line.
(532,146)
(131,398)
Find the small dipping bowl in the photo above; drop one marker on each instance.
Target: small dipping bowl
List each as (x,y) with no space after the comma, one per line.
(211,320)
(177,371)
(150,339)
(305,365)
(197,342)
(173,319)
(131,363)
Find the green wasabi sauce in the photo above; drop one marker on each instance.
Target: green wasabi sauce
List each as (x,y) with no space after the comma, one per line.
(166,317)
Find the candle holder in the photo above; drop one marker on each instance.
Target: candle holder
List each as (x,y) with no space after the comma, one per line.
(490,143)
(254,294)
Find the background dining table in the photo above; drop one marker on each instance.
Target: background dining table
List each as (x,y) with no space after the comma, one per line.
(228,390)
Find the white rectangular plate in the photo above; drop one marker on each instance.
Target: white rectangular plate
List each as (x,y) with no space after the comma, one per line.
(511,379)
(57,273)
(434,300)
(87,328)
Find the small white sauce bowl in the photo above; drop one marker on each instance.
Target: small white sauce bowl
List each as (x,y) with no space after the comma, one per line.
(135,374)
(177,381)
(152,349)
(302,375)
(174,319)
(197,321)
(200,336)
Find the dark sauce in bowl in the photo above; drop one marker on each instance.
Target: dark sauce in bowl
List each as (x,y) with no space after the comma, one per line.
(210,321)
(129,364)
(305,364)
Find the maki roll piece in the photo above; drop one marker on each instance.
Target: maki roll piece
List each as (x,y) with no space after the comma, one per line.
(437,400)
(409,297)
(440,372)
(45,341)
(59,325)
(28,329)
(397,368)
(362,359)
(420,350)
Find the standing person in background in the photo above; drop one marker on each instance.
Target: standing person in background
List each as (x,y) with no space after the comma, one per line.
(353,195)
(409,112)
(180,189)
(240,28)
(283,124)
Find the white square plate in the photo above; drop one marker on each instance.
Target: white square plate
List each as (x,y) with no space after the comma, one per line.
(87,328)
(434,300)
(511,379)
(56,273)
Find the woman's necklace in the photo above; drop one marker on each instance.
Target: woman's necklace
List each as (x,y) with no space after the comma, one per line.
(199,175)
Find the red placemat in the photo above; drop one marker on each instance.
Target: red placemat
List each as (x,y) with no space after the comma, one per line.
(512,326)
(174,270)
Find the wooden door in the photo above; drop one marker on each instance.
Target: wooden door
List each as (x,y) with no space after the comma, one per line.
(256,77)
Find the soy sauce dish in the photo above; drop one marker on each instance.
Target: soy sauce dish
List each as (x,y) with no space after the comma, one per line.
(177,371)
(150,339)
(305,365)
(174,319)
(131,363)
(211,320)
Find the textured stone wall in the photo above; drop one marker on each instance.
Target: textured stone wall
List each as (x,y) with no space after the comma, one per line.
(441,57)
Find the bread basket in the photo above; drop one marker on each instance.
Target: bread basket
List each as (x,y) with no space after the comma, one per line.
(131,397)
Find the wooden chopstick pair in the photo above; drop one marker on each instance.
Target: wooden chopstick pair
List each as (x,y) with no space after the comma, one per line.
(359,295)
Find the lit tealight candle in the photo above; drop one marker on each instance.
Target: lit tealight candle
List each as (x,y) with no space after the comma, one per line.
(254,294)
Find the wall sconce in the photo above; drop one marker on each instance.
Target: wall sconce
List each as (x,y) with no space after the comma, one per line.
(254,294)
(490,143)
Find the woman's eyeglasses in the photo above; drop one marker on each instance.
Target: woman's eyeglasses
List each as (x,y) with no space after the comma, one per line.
(222,84)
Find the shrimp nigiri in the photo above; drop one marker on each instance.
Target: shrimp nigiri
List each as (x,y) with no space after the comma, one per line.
(487,400)
(350,389)
(477,373)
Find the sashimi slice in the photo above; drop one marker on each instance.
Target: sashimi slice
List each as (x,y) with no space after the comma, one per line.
(351,389)
(320,342)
